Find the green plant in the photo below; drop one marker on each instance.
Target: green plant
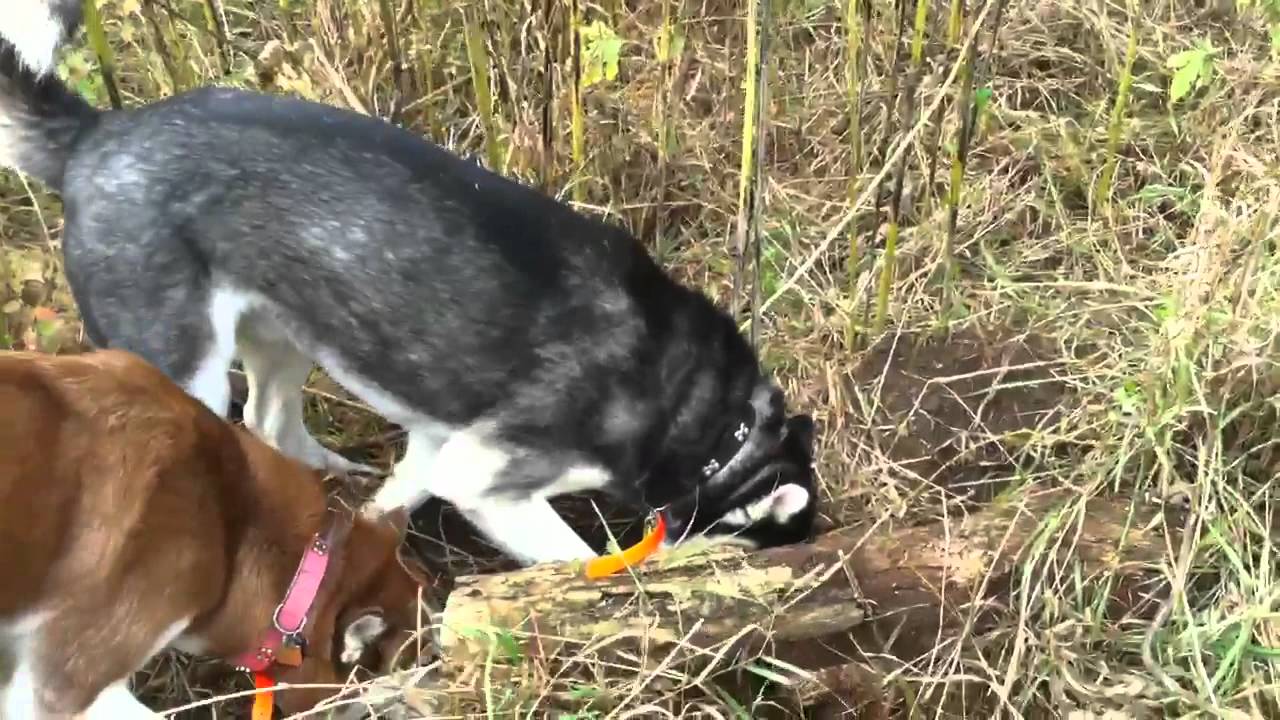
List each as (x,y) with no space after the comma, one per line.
(1102,194)
(1192,69)
(601,49)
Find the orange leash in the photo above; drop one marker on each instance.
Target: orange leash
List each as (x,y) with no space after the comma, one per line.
(610,564)
(264,701)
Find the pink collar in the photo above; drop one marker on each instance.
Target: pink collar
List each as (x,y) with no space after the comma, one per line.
(290,617)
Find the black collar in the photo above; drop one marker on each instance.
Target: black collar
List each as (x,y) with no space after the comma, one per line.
(732,437)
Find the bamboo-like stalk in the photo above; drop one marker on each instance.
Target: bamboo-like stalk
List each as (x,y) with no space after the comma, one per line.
(504,39)
(152,15)
(212,10)
(427,68)
(613,10)
(955,26)
(758,174)
(958,159)
(391,32)
(967,111)
(917,39)
(890,104)
(664,120)
(102,49)
(857,19)
(283,15)
(888,268)
(578,122)
(750,137)
(1102,192)
(187,73)
(478,58)
(981,67)
(548,93)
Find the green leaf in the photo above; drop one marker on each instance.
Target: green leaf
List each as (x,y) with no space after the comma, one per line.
(1180,59)
(982,98)
(509,646)
(601,49)
(768,674)
(1183,80)
(584,692)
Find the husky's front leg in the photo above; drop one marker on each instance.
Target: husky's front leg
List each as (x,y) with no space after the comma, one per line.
(463,471)
(530,531)
(411,480)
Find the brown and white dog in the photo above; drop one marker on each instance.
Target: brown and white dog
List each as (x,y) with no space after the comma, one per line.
(134,519)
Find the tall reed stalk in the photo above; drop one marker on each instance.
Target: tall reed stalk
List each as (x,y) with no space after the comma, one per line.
(891,118)
(1102,192)
(967,111)
(547,135)
(391,34)
(212,11)
(578,121)
(427,68)
(955,28)
(670,53)
(857,19)
(168,47)
(955,24)
(478,59)
(747,232)
(889,268)
(958,157)
(102,49)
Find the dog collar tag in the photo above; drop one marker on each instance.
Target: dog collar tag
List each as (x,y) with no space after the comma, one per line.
(289,655)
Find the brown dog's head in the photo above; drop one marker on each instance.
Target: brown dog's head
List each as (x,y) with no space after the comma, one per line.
(366,625)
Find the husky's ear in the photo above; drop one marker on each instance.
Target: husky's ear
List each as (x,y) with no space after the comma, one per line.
(800,431)
(785,502)
(360,634)
(788,501)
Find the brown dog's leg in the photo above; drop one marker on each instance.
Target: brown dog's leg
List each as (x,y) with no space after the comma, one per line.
(75,667)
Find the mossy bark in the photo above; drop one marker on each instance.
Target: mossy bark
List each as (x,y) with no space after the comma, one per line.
(901,590)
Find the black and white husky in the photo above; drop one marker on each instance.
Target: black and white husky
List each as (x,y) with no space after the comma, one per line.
(528,350)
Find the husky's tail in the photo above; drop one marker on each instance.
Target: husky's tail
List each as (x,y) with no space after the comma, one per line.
(40,117)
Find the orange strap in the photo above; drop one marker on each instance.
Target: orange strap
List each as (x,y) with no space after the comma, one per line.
(601,567)
(264,701)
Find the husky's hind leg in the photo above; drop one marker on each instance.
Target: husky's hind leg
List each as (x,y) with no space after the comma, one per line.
(276,371)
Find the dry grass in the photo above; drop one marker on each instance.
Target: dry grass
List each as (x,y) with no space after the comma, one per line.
(1139,327)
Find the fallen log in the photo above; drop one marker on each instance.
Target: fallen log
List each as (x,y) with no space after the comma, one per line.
(898,590)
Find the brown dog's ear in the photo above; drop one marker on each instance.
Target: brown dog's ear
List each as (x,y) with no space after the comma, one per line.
(397,519)
(415,569)
(360,634)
